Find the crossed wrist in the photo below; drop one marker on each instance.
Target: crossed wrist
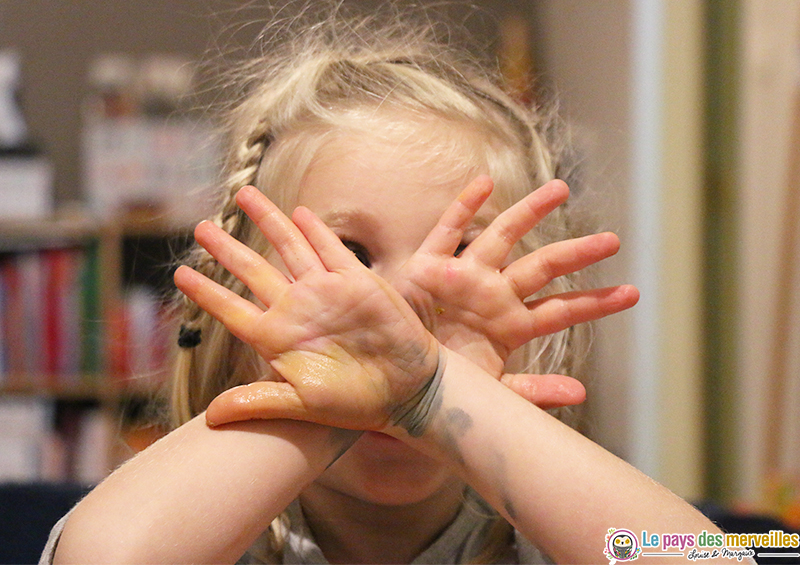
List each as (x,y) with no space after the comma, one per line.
(416,415)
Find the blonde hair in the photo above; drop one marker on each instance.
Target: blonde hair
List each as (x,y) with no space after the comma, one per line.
(297,94)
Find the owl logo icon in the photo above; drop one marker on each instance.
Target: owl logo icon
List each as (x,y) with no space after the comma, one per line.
(621,545)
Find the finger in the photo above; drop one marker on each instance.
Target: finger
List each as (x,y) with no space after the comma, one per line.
(532,272)
(555,313)
(327,245)
(256,401)
(446,236)
(546,391)
(494,244)
(264,280)
(234,312)
(297,254)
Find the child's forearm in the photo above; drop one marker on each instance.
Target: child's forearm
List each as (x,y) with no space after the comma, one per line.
(559,489)
(199,495)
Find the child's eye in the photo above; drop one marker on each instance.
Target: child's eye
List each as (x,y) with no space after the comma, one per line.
(359,251)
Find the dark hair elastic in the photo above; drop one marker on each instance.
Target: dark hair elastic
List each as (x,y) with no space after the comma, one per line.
(189,338)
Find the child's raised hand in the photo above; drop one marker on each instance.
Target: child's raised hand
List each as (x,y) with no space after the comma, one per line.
(477,303)
(352,351)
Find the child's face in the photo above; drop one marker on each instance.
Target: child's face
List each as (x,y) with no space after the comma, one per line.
(382,200)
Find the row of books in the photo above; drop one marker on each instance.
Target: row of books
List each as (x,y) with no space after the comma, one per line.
(45,440)
(50,316)
(54,333)
(141,337)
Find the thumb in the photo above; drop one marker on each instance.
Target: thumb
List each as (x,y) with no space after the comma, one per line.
(546,391)
(261,400)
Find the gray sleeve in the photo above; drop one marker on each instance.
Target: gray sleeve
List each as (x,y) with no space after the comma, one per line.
(49,551)
(528,553)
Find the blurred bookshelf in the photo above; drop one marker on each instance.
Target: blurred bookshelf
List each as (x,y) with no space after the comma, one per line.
(85,284)
(84,342)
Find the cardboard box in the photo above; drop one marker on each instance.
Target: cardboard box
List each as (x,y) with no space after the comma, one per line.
(26,187)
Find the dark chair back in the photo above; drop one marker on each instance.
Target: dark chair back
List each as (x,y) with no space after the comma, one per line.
(27,513)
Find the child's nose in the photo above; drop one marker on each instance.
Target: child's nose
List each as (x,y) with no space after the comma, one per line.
(419,300)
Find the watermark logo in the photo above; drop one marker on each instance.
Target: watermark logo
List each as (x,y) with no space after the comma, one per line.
(621,545)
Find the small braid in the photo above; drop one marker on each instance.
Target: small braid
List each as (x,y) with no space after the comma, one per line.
(230,218)
(243,168)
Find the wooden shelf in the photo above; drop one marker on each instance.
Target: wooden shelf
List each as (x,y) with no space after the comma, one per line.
(100,390)
(103,390)
(22,235)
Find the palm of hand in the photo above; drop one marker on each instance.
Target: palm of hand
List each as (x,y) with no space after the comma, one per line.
(351,350)
(333,336)
(478,302)
(469,307)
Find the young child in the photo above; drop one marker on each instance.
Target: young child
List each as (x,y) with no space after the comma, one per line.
(379,308)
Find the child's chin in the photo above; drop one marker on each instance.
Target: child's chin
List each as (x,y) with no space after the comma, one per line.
(383,448)
(380,438)
(383,470)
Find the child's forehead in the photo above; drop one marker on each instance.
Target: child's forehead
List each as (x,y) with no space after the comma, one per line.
(373,148)
(441,147)
(408,171)
(359,177)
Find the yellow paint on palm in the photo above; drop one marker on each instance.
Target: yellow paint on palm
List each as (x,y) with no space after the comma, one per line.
(334,387)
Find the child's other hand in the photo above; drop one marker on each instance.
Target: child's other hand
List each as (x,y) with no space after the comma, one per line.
(477,304)
(546,391)
(352,351)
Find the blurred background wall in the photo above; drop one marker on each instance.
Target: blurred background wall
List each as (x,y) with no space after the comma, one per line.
(683,112)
